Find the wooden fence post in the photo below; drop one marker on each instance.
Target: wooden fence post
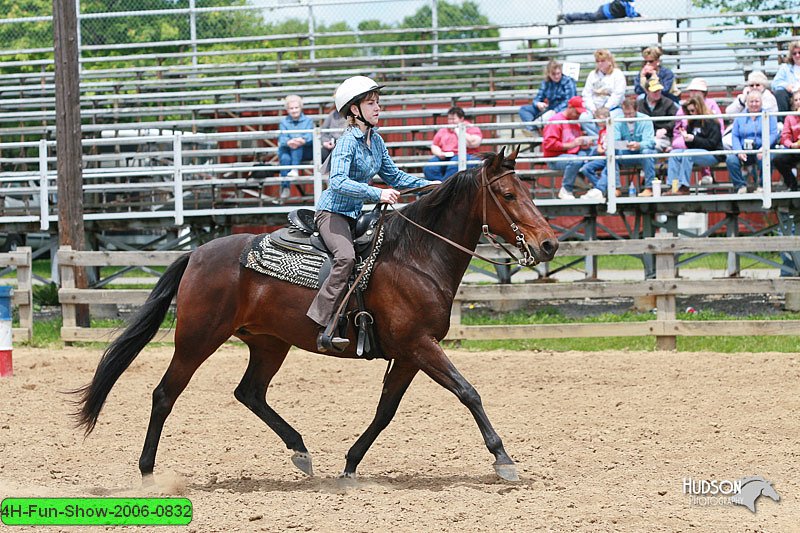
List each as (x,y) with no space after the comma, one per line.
(665,304)
(24,278)
(67,270)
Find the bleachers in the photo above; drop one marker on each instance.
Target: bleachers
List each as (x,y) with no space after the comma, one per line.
(242,89)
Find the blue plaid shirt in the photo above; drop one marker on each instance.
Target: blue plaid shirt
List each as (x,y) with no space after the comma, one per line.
(556,94)
(353,165)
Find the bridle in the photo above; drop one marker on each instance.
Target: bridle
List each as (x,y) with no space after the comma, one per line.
(527,258)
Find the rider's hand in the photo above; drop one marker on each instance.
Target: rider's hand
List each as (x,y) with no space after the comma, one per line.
(389,196)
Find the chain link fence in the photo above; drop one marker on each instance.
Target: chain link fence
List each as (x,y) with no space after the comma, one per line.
(137,33)
(221,23)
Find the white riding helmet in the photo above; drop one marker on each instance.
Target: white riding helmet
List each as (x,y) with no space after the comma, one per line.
(350,89)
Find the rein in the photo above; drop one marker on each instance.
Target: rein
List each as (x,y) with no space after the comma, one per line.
(526,258)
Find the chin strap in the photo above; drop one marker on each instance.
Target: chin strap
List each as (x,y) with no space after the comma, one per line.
(360,118)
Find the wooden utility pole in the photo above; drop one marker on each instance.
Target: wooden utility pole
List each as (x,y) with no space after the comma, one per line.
(68,136)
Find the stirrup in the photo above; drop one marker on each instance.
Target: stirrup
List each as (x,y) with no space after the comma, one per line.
(326,343)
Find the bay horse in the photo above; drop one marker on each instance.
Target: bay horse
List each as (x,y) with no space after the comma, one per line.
(410,294)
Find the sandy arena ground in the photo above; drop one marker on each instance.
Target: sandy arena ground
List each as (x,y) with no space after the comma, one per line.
(602,441)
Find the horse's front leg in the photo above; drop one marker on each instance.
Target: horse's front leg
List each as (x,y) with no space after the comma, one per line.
(395,385)
(433,361)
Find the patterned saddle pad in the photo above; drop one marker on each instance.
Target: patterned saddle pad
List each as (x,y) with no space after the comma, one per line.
(297,267)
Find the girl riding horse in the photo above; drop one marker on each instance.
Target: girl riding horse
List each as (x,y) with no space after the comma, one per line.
(358,155)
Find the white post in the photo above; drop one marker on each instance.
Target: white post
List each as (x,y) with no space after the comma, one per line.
(611,167)
(316,150)
(78,15)
(312,29)
(435,26)
(44,206)
(766,164)
(193,30)
(177,162)
(461,131)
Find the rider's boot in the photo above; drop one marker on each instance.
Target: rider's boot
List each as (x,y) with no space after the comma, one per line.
(331,343)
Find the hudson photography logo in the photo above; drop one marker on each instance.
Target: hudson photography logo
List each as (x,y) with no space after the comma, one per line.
(713,492)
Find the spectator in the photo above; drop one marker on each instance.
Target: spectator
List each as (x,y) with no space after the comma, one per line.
(654,105)
(747,136)
(756,81)
(638,138)
(566,142)
(328,138)
(555,91)
(698,137)
(790,138)
(698,86)
(445,146)
(653,68)
(591,168)
(293,148)
(605,87)
(787,79)
(617,9)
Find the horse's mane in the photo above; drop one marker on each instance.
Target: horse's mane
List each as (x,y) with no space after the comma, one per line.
(435,211)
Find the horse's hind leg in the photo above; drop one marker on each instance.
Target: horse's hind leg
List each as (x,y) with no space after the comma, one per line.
(266,357)
(438,366)
(394,387)
(181,369)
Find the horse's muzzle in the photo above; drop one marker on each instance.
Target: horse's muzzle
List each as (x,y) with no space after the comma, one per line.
(531,257)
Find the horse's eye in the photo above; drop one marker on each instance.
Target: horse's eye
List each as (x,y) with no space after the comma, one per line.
(509,196)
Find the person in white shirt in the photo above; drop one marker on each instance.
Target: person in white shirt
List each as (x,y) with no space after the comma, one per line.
(605,87)
(757,81)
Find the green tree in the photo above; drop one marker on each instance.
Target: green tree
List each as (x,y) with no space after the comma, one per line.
(451,15)
(18,36)
(735,6)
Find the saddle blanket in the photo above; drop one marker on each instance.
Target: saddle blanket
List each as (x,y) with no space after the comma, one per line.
(296,267)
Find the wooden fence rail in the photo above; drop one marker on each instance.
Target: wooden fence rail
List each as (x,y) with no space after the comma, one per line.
(69,296)
(21,260)
(667,285)
(665,288)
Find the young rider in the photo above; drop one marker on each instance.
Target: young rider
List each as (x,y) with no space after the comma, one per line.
(359,155)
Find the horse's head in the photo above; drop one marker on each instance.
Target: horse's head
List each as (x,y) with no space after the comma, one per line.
(508,210)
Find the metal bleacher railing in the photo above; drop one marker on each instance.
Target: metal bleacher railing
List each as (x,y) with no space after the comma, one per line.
(173,176)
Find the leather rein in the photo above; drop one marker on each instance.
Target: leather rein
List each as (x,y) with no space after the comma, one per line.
(526,260)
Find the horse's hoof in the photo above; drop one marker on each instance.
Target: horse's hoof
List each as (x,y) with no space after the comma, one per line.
(507,472)
(148,480)
(302,460)
(347,479)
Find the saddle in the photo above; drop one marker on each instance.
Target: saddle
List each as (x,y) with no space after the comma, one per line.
(296,253)
(303,236)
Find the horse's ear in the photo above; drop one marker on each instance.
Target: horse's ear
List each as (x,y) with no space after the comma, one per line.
(496,162)
(501,156)
(513,155)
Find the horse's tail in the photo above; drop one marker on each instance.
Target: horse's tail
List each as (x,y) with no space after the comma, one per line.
(142,327)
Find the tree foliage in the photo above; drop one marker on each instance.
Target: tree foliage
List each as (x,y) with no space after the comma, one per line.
(449,16)
(155,27)
(747,6)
